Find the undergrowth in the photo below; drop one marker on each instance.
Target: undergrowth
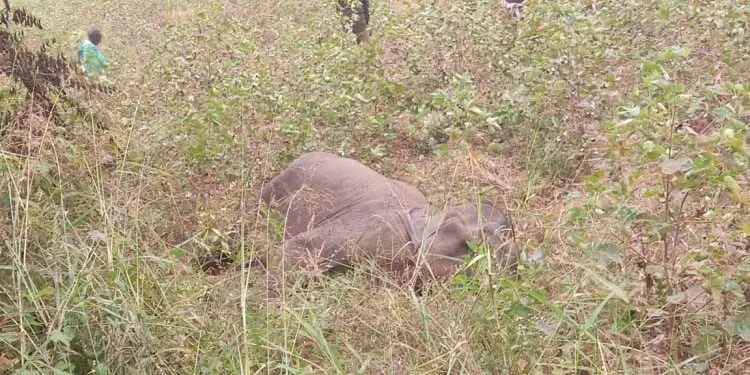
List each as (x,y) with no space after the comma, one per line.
(615,133)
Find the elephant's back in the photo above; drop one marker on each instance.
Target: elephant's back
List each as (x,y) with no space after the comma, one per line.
(344,179)
(319,187)
(328,170)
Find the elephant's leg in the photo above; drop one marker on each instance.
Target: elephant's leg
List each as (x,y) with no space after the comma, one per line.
(312,254)
(318,250)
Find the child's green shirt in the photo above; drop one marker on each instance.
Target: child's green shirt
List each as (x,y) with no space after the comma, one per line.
(92,59)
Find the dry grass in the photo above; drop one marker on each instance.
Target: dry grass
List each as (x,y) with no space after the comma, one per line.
(102,230)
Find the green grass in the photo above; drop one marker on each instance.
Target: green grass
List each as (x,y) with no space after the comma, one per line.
(635,264)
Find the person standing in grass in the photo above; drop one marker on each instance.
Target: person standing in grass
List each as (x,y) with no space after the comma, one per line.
(91,58)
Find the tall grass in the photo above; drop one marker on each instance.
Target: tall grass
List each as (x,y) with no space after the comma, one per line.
(581,116)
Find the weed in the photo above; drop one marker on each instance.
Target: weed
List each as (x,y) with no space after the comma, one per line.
(616,132)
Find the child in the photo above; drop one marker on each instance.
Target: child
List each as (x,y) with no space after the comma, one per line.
(91,59)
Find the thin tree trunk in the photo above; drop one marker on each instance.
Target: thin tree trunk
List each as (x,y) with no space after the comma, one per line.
(8,16)
(7,13)
(8,23)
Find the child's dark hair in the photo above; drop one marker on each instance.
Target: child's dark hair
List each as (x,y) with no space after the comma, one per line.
(95,36)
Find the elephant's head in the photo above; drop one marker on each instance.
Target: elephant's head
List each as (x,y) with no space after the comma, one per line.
(446,237)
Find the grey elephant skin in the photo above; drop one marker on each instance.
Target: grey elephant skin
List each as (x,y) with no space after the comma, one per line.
(339,212)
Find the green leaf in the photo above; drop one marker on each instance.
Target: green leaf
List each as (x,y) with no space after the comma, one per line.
(5,200)
(576,215)
(594,316)
(60,337)
(519,309)
(739,325)
(733,187)
(177,252)
(626,214)
(672,52)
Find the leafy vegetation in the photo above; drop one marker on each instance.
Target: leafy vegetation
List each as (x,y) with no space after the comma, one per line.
(615,132)
(46,79)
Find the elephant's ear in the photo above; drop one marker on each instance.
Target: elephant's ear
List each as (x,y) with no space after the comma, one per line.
(415,224)
(446,236)
(266,193)
(481,221)
(443,247)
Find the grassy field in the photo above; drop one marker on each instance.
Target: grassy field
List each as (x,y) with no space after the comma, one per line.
(615,132)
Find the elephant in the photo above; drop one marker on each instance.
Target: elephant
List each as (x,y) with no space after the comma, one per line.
(339,213)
